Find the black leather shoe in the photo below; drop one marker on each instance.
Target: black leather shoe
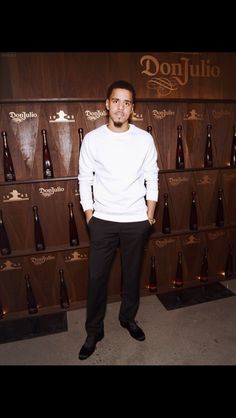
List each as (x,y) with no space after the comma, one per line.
(89,346)
(135,331)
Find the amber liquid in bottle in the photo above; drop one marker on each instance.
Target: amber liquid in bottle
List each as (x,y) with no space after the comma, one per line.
(179,271)
(179,163)
(193,221)
(38,234)
(1,311)
(166,228)
(81,135)
(208,158)
(233,149)
(9,172)
(47,162)
(4,241)
(31,301)
(204,267)
(152,283)
(229,263)
(64,299)
(220,209)
(73,234)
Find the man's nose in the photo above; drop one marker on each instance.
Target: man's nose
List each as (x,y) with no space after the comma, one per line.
(121,105)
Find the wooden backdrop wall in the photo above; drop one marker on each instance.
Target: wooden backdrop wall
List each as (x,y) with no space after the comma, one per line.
(25,76)
(188,89)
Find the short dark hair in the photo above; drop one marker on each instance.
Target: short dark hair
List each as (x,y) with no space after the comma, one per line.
(121,84)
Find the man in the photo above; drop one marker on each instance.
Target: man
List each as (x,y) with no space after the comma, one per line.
(120,161)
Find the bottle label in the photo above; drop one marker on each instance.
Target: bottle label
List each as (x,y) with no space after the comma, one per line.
(9,177)
(48,172)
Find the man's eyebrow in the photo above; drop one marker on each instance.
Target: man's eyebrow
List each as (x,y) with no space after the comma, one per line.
(125,100)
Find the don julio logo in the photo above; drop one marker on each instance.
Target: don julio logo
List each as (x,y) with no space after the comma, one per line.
(166,76)
(20,117)
(50,192)
(160,114)
(97,114)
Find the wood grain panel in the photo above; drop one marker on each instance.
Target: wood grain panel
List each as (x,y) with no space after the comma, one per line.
(207,184)
(228,181)
(12,288)
(75,265)
(42,269)
(179,191)
(193,245)
(165,251)
(217,251)
(34,75)
(163,188)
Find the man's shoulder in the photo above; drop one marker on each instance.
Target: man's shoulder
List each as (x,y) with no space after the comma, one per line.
(95,132)
(140,132)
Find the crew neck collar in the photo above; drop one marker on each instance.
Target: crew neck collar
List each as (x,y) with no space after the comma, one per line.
(118,133)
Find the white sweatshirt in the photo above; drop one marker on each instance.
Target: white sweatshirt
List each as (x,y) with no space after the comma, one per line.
(117,164)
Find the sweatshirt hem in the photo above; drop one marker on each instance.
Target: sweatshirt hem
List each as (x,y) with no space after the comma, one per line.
(120,218)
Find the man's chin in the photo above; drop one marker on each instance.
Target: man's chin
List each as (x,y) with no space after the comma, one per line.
(118,124)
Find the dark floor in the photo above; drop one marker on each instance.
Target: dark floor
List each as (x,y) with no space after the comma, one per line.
(201,334)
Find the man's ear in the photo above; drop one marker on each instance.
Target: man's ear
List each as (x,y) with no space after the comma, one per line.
(107,104)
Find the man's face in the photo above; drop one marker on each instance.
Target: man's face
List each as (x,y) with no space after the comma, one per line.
(120,106)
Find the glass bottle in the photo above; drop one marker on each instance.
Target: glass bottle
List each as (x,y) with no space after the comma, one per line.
(73,234)
(179,271)
(233,149)
(4,241)
(220,209)
(193,221)
(204,267)
(64,300)
(229,262)
(38,234)
(166,228)
(1,311)
(47,162)
(81,135)
(152,283)
(9,172)
(31,301)
(208,158)
(179,162)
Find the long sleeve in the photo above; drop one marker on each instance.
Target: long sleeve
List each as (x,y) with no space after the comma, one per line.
(151,173)
(85,177)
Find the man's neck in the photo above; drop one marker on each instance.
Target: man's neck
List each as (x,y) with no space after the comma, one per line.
(114,128)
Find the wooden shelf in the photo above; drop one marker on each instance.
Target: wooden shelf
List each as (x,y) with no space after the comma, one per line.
(55,179)
(156,235)
(31,251)
(153,236)
(194,283)
(187,170)
(161,171)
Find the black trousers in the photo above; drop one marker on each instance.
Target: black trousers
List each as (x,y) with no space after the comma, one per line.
(105,237)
